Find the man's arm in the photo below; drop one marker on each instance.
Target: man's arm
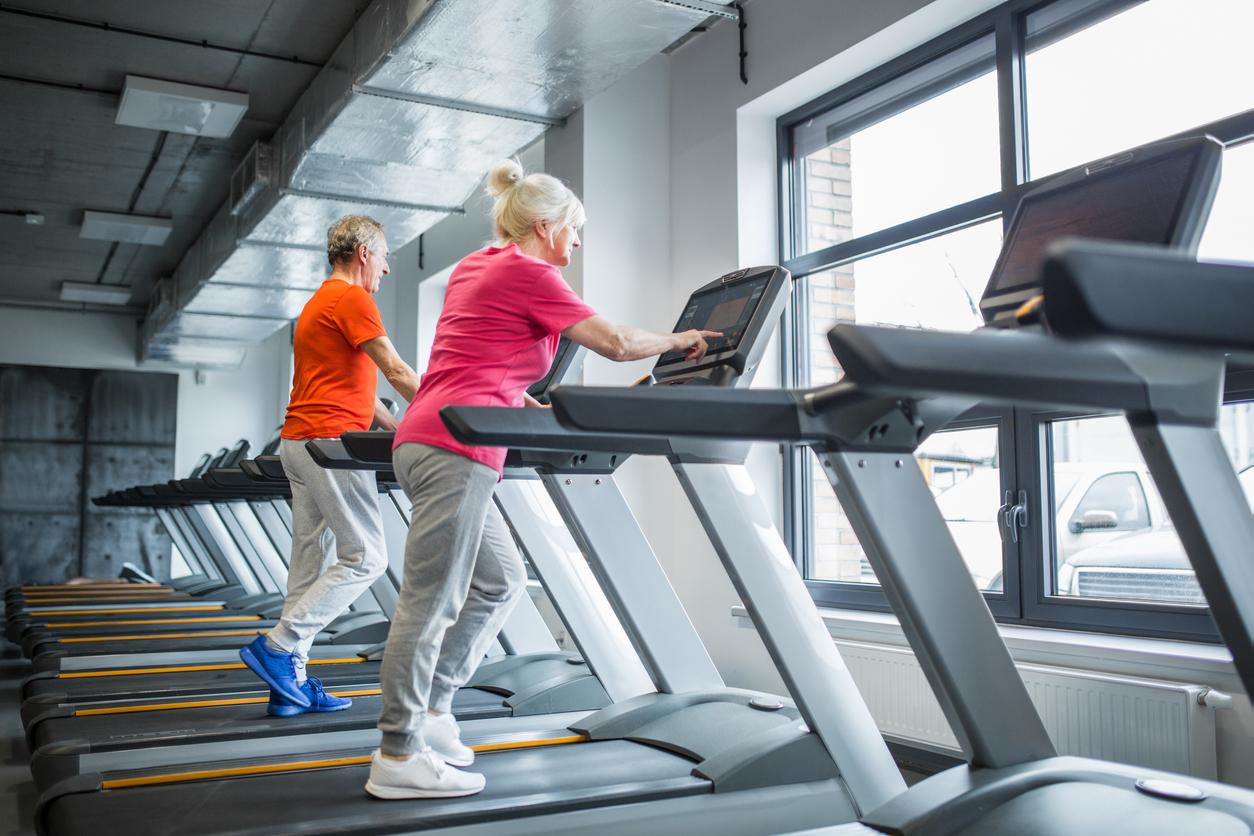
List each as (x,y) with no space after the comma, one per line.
(395,370)
(383,416)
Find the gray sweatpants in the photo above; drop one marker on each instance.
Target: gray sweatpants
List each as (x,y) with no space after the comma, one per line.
(463,575)
(338,548)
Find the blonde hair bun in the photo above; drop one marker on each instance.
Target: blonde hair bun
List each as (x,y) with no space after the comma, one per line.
(504,176)
(522,201)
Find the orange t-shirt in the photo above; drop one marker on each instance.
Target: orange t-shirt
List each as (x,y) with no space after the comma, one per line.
(333,385)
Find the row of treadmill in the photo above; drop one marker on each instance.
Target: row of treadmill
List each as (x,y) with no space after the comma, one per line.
(141,719)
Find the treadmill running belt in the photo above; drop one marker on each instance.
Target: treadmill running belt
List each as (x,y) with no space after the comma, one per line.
(520,782)
(79,688)
(242,722)
(58,743)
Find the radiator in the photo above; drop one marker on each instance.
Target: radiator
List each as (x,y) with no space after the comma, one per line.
(1144,722)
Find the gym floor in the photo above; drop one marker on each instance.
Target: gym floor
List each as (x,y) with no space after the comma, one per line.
(17,791)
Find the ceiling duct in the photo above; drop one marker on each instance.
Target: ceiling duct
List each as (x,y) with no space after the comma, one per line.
(410,112)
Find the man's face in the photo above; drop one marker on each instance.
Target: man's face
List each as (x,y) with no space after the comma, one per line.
(376,263)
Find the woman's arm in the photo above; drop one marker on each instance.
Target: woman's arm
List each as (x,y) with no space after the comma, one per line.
(622,343)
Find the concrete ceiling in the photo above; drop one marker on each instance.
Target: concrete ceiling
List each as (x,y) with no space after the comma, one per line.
(61,153)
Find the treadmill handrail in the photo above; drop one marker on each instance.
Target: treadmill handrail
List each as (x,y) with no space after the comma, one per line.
(1016,366)
(371,446)
(330,453)
(1148,293)
(531,429)
(842,414)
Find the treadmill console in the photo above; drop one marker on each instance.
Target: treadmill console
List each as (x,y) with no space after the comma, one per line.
(743,305)
(1157,194)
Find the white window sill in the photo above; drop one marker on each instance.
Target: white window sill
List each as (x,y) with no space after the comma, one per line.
(1174,661)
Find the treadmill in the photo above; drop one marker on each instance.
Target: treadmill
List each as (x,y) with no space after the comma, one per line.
(1144,332)
(693,754)
(207,577)
(530,677)
(219,503)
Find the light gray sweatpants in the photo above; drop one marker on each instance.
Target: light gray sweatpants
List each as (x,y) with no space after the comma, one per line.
(463,575)
(338,548)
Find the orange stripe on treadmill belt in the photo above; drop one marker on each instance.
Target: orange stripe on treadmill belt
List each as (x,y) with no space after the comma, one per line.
(177,706)
(95,586)
(301,766)
(102,590)
(153,621)
(112,611)
(225,666)
(107,599)
(205,634)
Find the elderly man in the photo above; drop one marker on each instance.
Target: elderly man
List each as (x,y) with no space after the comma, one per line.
(338,343)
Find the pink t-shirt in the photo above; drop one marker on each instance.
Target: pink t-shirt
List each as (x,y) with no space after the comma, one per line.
(503,315)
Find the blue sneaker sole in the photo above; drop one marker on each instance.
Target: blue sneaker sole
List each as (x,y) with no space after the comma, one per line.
(293,710)
(288,689)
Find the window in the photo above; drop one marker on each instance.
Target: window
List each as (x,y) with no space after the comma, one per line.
(897,190)
(1178,62)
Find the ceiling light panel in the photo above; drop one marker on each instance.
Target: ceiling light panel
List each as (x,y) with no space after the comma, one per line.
(129,229)
(96,294)
(180,108)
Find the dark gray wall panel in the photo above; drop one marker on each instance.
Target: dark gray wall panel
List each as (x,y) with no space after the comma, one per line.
(131,408)
(113,467)
(38,548)
(114,539)
(41,404)
(39,477)
(67,436)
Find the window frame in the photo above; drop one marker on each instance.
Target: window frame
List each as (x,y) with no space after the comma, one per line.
(1023,436)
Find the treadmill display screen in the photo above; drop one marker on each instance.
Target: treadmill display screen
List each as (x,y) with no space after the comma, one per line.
(727,309)
(1138,204)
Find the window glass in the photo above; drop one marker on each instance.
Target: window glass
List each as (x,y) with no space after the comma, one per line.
(1153,70)
(1112,537)
(933,284)
(1227,236)
(963,473)
(934,155)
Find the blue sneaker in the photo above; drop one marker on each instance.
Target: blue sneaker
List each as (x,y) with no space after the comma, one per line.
(276,668)
(319,701)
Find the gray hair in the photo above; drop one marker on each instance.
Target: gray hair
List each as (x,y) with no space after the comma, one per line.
(347,234)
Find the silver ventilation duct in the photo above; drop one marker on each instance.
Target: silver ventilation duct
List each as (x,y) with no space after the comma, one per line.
(416,104)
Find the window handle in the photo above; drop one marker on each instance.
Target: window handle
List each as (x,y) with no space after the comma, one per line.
(1013,517)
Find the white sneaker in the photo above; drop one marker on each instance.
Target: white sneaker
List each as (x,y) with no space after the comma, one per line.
(443,735)
(423,775)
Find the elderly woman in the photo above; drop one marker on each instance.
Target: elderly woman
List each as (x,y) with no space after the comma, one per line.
(504,312)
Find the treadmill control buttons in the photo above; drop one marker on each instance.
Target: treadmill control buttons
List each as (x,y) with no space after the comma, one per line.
(1170,790)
